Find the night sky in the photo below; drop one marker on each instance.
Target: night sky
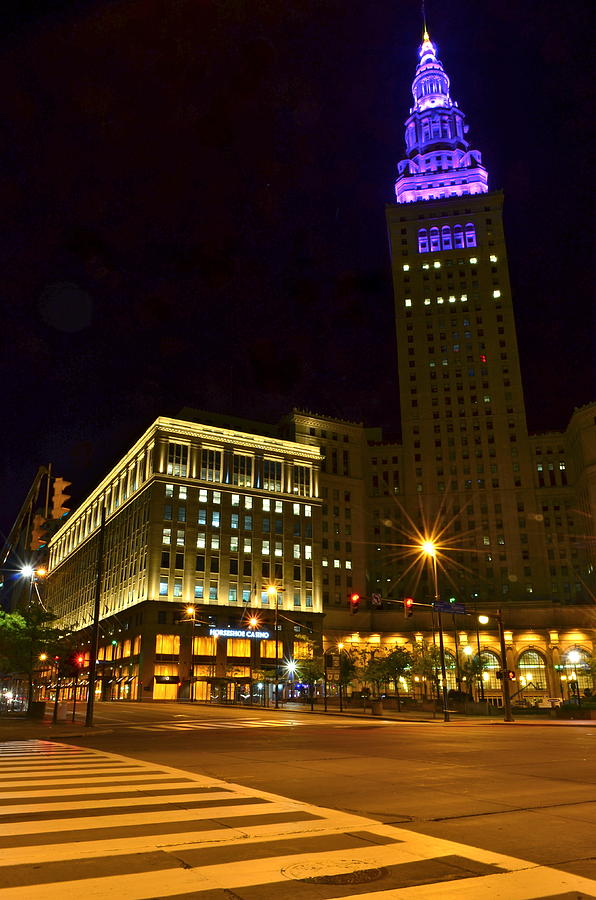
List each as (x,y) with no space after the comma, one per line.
(193,202)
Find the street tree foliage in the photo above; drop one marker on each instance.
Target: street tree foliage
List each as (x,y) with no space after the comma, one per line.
(426,663)
(397,664)
(374,672)
(347,668)
(25,636)
(471,669)
(310,671)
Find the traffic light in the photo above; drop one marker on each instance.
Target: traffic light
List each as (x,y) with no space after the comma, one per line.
(499,675)
(408,607)
(60,498)
(452,600)
(511,676)
(39,535)
(354,603)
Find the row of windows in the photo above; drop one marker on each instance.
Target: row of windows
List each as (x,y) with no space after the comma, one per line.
(449,263)
(446,238)
(463,298)
(213,593)
(169,645)
(267,548)
(243,471)
(236,521)
(246,500)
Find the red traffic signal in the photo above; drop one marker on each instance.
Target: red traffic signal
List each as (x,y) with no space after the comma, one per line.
(354,603)
(80,659)
(511,676)
(408,607)
(60,498)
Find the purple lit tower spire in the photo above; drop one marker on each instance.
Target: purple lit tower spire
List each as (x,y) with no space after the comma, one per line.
(439,160)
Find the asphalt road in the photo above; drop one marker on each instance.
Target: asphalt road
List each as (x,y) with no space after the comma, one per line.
(528,790)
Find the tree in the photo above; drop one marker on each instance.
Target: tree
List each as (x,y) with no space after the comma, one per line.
(374,672)
(426,663)
(472,669)
(310,671)
(347,668)
(397,663)
(24,636)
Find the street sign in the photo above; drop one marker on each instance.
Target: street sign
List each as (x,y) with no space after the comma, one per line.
(377,600)
(444,606)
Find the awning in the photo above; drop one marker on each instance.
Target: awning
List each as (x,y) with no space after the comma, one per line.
(166,679)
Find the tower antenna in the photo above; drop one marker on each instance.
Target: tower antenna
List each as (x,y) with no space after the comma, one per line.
(425,30)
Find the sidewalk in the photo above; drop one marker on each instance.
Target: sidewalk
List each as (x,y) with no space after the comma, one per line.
(456,718)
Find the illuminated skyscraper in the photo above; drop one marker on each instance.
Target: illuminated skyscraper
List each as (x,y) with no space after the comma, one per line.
(466,450)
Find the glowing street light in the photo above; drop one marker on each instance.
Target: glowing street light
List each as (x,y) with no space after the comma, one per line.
(27,571)
(484,619)
(272,591)
(574,656)
(190,611)
(429,549)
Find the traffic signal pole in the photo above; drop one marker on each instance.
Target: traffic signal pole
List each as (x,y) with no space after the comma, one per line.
(96,611)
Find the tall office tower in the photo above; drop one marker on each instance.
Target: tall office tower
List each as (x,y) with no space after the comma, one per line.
(466,453)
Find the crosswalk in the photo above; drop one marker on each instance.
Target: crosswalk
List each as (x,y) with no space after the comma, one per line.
(214,724)
(76,821)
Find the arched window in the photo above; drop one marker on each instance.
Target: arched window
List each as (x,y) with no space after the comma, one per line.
(458,236)
(422,240)
(435,242)
(577,668)
(532,670)
(446,237)
(490,666)
(450,671)
(470,235)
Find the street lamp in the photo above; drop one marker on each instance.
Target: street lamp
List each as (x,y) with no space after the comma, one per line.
(429,549)
(340,648)
(191,612)
(253,623)
(272,591)
(484,620)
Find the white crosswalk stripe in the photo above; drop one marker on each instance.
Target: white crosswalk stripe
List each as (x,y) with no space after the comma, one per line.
(214,724)
(230,723)
(85,821)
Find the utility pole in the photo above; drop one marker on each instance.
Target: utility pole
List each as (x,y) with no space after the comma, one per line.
(96,611)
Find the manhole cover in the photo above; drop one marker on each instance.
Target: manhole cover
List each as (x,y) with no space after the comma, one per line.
(343,871)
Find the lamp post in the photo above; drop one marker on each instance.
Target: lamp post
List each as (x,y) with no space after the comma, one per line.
(96,614)
(504,671)
(272,591)
(192,614)
(340,647)
(253,623)
(480,679)
(574,657)
(30,572)
(429,549)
